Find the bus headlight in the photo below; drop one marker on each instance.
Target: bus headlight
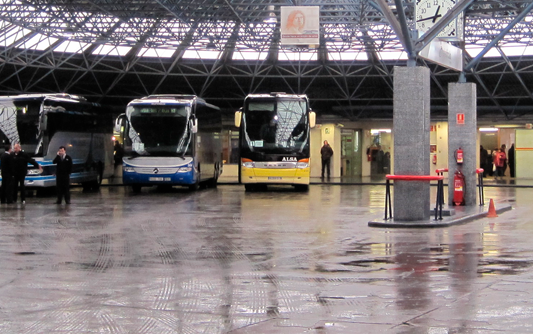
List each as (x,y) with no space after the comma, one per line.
(247,163)
(184,169)
(302,165)
(34,171)
(129,169)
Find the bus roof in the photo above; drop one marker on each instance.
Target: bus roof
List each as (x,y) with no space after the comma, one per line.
(276,95)
(172,99)
(41,97)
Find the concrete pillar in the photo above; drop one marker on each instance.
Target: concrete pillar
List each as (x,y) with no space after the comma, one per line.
(411,142)
(462,133)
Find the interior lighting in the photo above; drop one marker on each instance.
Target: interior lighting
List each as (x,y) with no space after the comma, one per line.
(377,131)
(488,129)
(271,18)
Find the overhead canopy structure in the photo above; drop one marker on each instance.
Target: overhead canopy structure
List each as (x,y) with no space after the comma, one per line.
(114,51)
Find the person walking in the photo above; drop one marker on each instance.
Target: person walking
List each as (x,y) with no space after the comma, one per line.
(20,168)
(504,159)
(326,152)
(6,161)
(63,170)
(499,161)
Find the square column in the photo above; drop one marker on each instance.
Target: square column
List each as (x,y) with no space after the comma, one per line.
(411,142)
(462,133)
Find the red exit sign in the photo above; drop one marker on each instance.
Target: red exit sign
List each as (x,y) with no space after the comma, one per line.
(460,118)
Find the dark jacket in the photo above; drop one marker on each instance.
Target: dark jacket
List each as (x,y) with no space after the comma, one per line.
(64,166)
(326,151)
(7,164)
(20,163)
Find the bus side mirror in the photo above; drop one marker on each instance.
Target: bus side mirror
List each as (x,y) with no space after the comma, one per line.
(238,117)
(312,119)
(118,123)
(194,125)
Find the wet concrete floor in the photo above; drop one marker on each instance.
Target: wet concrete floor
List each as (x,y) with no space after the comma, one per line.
(227,261)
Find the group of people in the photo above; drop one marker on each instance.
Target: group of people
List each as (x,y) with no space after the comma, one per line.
(14,168)
(495,164)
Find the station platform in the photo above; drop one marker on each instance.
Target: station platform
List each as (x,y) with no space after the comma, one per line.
(280,261)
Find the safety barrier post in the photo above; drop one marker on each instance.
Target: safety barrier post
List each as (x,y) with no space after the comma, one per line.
(440,172)
(388,205)
(427,178)
(479,172)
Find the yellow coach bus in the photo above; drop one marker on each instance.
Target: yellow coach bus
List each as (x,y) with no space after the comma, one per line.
(274,140)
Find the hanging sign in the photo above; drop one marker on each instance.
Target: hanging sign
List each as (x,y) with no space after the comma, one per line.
(300,25)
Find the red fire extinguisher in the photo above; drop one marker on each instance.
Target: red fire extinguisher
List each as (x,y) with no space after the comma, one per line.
(458,188)
(459,156)
(434,159)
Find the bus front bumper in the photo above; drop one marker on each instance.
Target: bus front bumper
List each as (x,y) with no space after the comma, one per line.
(155,179)
(275,176)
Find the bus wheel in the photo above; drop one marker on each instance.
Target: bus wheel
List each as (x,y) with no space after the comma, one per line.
(136,188)
(194,187)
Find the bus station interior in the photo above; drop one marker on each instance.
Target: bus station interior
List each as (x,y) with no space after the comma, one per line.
(279,260)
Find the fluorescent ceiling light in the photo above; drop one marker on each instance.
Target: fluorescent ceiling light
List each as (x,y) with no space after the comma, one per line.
(377,131)
(488,129)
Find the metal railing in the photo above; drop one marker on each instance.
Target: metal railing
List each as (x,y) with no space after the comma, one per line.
(420,178)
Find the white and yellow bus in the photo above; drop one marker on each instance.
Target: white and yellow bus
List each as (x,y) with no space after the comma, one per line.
(274,140)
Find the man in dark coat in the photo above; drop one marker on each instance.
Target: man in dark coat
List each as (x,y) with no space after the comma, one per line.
(326,152)
(20,168)
(6,162)
(63,170)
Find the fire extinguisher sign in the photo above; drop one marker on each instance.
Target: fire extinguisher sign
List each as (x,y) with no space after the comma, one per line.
(460,118)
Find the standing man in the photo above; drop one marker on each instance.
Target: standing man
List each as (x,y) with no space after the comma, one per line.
(20,165)
(326,152)
(7,176)
(63,170)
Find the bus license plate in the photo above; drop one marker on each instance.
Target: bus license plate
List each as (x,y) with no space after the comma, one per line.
(159,179)
(274,177)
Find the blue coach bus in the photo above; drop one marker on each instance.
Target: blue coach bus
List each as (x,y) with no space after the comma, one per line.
(43,122)
(170,140)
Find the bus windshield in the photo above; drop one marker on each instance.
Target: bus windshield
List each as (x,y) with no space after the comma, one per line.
(276,126)
(19,123)
(159,130)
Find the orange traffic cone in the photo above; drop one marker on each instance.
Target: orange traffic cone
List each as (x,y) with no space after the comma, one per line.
(492,210)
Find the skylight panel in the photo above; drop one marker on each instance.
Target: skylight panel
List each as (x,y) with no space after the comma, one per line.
(474,50)
(111,50)
(249,55)
(199,54)
(12,35)
(37,42)
(284,55)
(393,55)
(347,55)
(71,47)
(517,49)
(156,52)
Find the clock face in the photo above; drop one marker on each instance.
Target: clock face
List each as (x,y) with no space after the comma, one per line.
(429,12)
